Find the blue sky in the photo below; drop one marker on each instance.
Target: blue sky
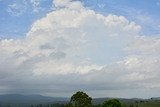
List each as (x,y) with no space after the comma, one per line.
(13,26)
(18,21)
(103,47)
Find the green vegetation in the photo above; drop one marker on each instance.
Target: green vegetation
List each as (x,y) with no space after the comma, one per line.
(112,103)
(81,99)
(144,103)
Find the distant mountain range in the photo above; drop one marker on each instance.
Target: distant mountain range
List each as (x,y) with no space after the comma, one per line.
(30,99)
(18,99)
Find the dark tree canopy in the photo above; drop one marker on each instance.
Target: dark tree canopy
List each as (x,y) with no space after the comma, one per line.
(81,99)
(112,103)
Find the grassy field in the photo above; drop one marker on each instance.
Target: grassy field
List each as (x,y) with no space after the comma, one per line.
(147,103)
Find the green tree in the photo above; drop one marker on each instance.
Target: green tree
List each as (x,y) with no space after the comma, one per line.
(112,103)
(69,105)
(81,99)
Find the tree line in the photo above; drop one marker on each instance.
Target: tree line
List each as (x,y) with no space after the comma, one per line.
(81,99)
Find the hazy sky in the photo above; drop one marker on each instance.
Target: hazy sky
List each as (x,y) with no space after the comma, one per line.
(107,48)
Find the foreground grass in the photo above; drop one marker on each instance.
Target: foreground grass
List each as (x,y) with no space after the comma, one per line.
(144,104)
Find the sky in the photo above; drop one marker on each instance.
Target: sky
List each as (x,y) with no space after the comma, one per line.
(105,48)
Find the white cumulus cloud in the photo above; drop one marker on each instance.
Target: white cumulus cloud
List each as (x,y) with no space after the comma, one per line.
(75,48)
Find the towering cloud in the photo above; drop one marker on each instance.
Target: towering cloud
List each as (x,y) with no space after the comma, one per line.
(75,48)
